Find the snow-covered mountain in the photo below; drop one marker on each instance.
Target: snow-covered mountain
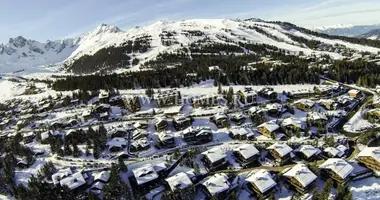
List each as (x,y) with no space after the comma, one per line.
(346,29)
(30,55)
(373,35)
(25,54)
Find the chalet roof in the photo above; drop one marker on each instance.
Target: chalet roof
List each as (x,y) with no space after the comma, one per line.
(271,126)
(215,154)
(74,181)
(342,148)
(220,116)
(302,174)
(354,91)
(165,135)
(145,174)
(173,110)
(373,152)
(307,102)
(316,116)
(140,142)
(239,116)
(274,106)
(102,176)
(29,134)
(254,109)
(239,131)
(61,174)
(338,166)
(180,180)
(117,142)
(158,120)
(297,122)
(217,183)
(86,113)
(247,150)
(309,150)
(103,94)
(281,148)
(262,180)
(97,186)
(45,135)
(334,151)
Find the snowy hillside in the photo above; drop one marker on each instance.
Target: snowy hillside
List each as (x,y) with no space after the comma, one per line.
(346,30)
(32,56)
(373,34)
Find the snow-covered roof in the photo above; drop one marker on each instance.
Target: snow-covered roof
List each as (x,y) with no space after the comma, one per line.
(302,174)
(145,174)
(103,94)
(270,126)
(215,154)
(180,180)
(334,151)
(354,91)
(239,131)
(165,135)
(274,106)
(316,116)
(297,122)
(247,150)
(342,148)
(74,181)
(217,183)
(307,102)
(86,113)
(339,166)
(309,150)
(373,152)
(105,114)
(45,135)
(97,186)
(173,110)
(117,142)
(158,120)
(102,176)
(281,148)
(262,180)
(61,174)
(140,142)
(29,134)
(219,116)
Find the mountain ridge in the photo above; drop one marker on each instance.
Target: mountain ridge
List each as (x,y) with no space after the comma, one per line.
(143,44)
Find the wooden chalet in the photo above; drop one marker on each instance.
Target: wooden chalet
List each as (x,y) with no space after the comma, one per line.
(147,176)
(104,97)
(116,144)
(300,178)
(197,135)
(217,186)
(160,123)
(221,120)
(308,152)
(181,122)
(28,137)
(247,96)
(316,118)
(140,145)
(328,104)
(116,101)
(268,129)
(268,93)
(337,169)
(370,157)
(246,154)
(239,118)
(355,93)
(304,104)
(166,139)
(261,184)
(280,152)
(215,159)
